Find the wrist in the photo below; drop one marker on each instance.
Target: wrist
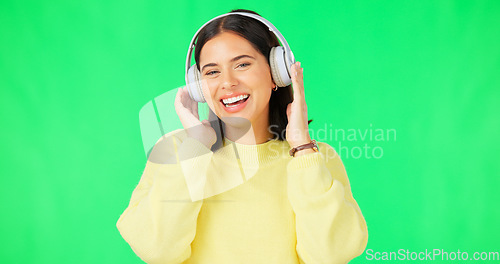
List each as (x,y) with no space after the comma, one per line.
(304,148)
(299,142)
(304,152)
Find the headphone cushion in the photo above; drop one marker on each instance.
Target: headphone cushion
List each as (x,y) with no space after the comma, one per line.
(279,69)
(194,84)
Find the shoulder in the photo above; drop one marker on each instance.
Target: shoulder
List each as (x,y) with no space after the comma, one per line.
(165,148)
(326,149)
(330,155)
(178,134)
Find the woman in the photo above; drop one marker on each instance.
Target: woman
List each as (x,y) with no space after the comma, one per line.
(284,209)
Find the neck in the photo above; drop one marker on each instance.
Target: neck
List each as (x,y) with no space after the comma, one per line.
(248,133)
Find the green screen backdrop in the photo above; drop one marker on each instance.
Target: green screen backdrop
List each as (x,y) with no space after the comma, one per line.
(407,92)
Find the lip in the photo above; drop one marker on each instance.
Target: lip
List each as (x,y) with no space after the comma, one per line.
(235,108)
(231,95)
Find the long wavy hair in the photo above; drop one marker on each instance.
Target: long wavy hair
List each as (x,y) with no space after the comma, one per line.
(262,40)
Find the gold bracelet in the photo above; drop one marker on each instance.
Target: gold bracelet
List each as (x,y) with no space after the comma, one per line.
(311,144)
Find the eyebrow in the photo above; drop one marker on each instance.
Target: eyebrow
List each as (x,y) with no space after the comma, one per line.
(232,60)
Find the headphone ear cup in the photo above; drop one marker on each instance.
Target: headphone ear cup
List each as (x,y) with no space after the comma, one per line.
(194,84)
(279,70)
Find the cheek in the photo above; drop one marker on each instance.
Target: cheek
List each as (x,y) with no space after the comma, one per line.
(266,76)
(259,78)
(209,91)
(263,95)
(262,84)
(209,88)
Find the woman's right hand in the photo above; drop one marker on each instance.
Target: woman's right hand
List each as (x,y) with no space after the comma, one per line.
(187,110)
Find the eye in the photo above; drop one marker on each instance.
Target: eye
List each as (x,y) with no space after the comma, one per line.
(210,72)
(245,64)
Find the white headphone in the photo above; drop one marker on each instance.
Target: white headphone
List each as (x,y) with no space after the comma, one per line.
(280,60)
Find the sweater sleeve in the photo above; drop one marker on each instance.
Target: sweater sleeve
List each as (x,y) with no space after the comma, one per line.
(329,224)
(159,223)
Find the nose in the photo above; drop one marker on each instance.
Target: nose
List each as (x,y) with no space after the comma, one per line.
(229,80)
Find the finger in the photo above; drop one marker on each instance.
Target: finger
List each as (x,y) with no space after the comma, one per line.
(190,104)
(296,73)
(182,98)
(296,83)
(194,106)
(177,101)
(299,77)
(294,80)
(186,100)
(181,105)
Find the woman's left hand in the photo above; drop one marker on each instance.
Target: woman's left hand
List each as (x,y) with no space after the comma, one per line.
(297,130)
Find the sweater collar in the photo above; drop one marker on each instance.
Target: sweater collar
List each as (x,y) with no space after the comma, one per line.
(258,155)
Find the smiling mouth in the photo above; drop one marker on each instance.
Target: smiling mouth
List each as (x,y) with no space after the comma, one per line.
(231,103)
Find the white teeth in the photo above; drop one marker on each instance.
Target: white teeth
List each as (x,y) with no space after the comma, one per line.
(234,99)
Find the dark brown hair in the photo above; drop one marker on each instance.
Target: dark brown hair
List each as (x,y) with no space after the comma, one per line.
(262,40)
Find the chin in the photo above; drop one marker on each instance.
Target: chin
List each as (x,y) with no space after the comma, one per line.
(236,121)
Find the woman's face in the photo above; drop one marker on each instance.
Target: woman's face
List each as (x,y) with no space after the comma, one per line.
(236,78)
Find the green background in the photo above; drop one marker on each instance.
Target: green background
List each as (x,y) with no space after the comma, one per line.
(74,75)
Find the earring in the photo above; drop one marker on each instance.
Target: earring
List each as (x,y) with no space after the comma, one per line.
(275,88)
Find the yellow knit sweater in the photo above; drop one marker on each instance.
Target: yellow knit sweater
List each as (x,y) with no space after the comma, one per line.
(242,204)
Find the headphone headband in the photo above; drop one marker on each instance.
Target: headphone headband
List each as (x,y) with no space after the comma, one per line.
(272,28)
